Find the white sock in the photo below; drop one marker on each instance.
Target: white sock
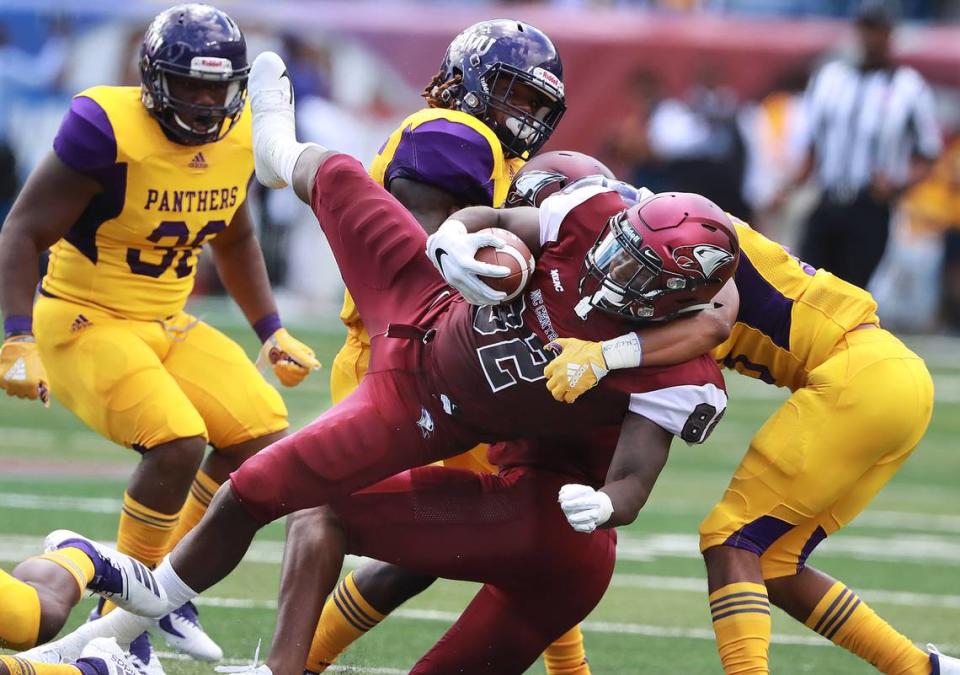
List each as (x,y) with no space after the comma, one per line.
(178,593)
(119,623)
(275,144)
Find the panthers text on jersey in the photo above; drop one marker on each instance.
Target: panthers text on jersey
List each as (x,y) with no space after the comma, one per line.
(133,251)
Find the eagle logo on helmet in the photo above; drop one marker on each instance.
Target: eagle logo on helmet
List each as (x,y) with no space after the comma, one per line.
(703,259)
(529,184)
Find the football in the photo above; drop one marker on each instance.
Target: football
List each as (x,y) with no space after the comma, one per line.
(515,255)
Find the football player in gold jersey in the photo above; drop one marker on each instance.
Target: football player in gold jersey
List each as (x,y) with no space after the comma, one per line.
(812,467)
(138,180)
(496,100)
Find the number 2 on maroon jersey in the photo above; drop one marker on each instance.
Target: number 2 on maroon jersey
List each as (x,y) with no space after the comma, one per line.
(503,362)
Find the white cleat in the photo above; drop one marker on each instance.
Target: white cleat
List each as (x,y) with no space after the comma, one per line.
(117,577)
(943,664)
(181,630)
(274,123)
(106,658)
(52,653)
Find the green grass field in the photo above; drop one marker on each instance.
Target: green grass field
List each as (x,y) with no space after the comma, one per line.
(903,555)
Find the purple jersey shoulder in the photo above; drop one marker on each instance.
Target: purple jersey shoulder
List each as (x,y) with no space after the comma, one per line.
(85,141)
(447,155)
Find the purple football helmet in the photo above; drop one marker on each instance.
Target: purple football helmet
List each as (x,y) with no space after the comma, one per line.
(506,50)
(196,42)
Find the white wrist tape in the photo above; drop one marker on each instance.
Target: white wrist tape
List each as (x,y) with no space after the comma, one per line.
(625,351)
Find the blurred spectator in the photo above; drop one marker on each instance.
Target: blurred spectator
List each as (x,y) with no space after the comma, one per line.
(308,65)
(871,134)
(23,72)
(772,131)
(688,144)
(926,254)
(628,151)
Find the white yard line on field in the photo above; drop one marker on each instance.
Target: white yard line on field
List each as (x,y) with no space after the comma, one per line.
(609,627)
(887,520)
(177,656)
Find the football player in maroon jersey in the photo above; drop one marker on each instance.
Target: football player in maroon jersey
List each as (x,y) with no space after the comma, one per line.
(445,375)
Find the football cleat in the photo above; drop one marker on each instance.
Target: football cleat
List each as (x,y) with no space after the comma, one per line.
(943,664)
(144,658)
(52,653)
(274,125)
(105,657)
(181,630)
(126,582)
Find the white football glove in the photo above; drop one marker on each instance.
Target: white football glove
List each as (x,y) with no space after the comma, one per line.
(452,251)
(586,509)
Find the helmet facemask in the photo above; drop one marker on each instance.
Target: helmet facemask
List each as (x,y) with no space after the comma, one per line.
(521,132)
(189,123)
(626,277)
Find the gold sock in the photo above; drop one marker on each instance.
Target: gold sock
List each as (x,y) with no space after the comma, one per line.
(346,616)
(17,666)
(144,534)
(741,621)
(847,621)
(201,492)
(75,561)
(19,613)
(566,656)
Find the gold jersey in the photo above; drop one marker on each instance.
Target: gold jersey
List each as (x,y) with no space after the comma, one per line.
(791,315)
(133,251)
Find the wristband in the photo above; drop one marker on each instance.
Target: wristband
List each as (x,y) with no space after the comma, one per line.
(267,326)
(625,351)
(17,324)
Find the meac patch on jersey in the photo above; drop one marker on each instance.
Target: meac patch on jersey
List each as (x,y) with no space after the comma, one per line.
(134,250)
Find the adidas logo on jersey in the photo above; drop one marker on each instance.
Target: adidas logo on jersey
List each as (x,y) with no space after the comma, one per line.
(198,162)
(18,373)
(80,323)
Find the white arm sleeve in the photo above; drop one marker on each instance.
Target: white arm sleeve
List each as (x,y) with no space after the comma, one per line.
(688,411)
(556,207)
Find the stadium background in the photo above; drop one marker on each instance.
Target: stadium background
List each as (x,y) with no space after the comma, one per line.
(689,94)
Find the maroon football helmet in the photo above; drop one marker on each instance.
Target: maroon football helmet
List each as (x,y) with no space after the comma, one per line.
(549,173)
(665,256)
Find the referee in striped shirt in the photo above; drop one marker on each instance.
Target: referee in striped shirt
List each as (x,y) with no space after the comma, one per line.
(872,133)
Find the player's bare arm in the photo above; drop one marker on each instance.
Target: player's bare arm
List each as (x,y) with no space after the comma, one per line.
(523,221)
(686,339)
(429,205)
(668,344)
(239,261)
(641,454)
(49,204)
(52,200)
(240,266)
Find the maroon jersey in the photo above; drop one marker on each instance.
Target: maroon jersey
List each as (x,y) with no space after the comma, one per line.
(488,361)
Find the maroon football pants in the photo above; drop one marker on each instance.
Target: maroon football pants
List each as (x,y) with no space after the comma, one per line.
(506,531)
(391,422)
